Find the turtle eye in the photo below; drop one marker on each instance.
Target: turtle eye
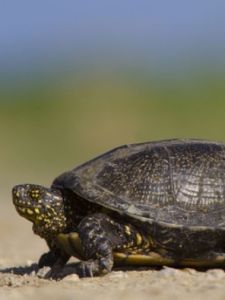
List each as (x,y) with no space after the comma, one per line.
(34,194)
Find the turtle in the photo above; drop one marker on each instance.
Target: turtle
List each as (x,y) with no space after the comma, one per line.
(158,203)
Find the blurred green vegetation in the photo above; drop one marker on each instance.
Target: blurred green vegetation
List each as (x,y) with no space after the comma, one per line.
(51,124)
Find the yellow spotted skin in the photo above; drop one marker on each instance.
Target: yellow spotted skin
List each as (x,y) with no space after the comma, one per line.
(138,239)
(30,211)
(35,194)
(41,206)
(127,230)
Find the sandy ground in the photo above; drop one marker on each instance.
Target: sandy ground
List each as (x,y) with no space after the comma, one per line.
(20,249)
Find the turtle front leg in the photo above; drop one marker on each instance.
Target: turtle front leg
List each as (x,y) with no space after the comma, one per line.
(100,236)
(93,243)
(97,247)
(96,239)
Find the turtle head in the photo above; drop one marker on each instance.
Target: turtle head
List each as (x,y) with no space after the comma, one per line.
(42,206)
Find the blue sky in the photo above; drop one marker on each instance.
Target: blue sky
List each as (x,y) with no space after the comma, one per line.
(35,31)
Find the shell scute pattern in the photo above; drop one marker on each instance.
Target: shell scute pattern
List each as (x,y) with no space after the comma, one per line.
(141,177)
(198,175)
(189,175)
(176,182)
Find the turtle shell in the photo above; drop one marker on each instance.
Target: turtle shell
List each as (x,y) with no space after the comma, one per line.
(174,182)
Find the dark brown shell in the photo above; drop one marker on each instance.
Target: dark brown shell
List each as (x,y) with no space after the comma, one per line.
(177,182)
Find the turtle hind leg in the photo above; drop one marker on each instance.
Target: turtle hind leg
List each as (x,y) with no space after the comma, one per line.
(92,242)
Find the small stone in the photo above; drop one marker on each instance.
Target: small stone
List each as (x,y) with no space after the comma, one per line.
(190,271)
(71,278)
(33,273)
(167,272)
(43,271)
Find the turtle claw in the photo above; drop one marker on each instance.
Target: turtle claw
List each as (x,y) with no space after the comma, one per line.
(56,271)
(82,269)
(55,274)
(90,268)
(86,268)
